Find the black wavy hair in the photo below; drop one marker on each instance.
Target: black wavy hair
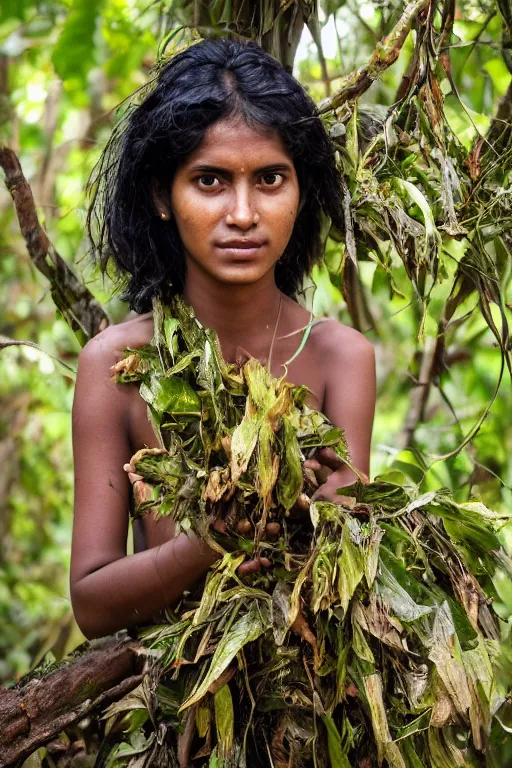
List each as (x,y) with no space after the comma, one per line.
(209,81)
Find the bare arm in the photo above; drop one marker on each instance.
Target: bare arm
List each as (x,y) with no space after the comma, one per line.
(110,590)
(349,402)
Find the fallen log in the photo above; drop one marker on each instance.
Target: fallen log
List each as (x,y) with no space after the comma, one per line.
(33,714)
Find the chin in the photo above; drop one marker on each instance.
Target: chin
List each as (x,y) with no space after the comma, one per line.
(243,276)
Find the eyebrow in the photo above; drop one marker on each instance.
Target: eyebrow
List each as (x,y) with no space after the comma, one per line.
(203,168)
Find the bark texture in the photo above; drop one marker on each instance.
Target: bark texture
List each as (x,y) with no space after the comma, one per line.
(33,714)
(71,296)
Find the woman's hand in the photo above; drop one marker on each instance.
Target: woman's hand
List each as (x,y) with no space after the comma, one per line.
(331,473)
(142,492)
(327,470)
(255,564)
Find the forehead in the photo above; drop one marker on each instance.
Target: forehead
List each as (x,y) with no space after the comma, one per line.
(229,142)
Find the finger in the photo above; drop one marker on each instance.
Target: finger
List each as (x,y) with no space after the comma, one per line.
(329,458)
(301,507)
(220,525)
(334,498)
(142,492)
(323,475)
(255,565)
(129,467)
(326,493)
(311,476)
(251,566)
(272,531)
(244,527)
(134,478)
(364,479)
(313,464)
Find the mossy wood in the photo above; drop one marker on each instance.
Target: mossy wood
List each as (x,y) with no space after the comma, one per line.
(49,700)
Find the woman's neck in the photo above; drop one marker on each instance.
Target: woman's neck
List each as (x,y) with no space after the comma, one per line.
(242,315)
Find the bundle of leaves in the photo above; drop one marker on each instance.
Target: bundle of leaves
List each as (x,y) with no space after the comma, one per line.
(371,640)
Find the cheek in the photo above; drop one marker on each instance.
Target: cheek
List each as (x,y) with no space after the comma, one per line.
(195,208)
(283,218)
(188,211)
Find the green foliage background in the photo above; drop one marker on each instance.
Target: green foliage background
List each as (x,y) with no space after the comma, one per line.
(64,68)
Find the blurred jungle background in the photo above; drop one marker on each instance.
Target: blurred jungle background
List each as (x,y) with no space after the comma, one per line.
(422,122)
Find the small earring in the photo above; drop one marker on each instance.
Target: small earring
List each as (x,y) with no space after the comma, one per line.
(164,216)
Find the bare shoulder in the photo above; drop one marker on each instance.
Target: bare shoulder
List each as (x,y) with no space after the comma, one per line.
(341,343)
(98,398)
(109,345)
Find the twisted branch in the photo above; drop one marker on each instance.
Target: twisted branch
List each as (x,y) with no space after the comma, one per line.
(78,306)
(384,55)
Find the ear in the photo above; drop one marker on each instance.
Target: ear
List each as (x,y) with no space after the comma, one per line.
(161,200)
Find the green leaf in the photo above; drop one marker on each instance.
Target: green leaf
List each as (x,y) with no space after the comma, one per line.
(170,330)
(337,756)
(75,51)
(15,9)
(246,629)
(359,644)
(407,188)
(172,395)
(385,746)
(445,653)
(243,443)
(203,717)
(224,720)
(410,464)
(410,754)
(444,754)
(289,483)
(216,580)
(421,723)
(398,601)
(350,563)
(215,761)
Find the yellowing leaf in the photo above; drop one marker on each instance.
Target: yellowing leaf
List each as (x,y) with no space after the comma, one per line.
(224,720)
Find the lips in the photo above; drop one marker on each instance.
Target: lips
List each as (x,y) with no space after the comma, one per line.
(240,244)
(240,248)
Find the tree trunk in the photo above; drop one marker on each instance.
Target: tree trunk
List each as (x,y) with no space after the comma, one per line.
(275,25)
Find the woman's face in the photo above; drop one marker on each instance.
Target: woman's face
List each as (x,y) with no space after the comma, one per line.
(235,200)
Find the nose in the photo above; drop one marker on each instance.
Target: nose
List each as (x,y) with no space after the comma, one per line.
(242,212)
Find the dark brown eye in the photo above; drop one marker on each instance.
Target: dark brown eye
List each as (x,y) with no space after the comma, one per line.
(272,179)
(207,180)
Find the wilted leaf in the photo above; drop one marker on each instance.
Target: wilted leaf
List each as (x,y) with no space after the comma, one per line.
(247,629)
(289,481)
(224,720)
(374,589)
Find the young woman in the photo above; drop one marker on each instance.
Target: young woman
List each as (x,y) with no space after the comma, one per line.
(215,186)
